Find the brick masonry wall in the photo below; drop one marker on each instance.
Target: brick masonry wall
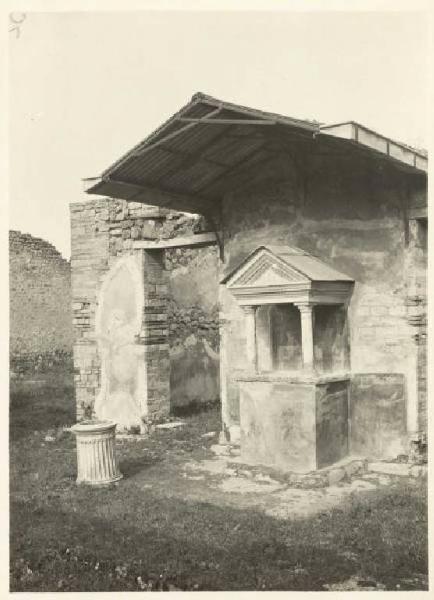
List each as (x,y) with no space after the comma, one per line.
(417,270)
(351,214)
(89,263)
(104,230)
(41,333)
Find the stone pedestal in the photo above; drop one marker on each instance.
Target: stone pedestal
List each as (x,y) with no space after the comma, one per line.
(293,423)
(96,452)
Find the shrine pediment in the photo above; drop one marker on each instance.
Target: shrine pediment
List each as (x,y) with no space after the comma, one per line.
(264,269)
(286,274)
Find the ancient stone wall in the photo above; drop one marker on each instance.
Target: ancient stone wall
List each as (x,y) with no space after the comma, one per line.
(41,332)
(417,299)
(104,230)
(193,325)
(353,215)
(422,380)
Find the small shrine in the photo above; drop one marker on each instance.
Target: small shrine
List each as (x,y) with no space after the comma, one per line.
(294,390)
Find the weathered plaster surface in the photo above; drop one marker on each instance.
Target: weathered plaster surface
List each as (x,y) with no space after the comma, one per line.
(293,426)
(278,425)
(378,415)
(123,394)
(193,325)
(351,214)
(103,232)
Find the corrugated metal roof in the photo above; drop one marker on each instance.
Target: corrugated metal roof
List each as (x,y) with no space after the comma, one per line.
(193,162)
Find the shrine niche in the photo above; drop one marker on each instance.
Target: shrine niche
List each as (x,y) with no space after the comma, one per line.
(294,388)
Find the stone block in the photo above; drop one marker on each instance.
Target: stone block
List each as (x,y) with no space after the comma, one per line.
(234,434)
(335,476)
(220,449)
(116,231)
(388,468)
(149,232)
(418,471)
(135,233)
(356,466)
(293,426)
(171,425)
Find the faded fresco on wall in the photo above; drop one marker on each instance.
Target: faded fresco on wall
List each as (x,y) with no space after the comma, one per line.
(121,397)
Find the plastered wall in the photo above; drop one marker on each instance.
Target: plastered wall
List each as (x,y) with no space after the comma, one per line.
(104,230)
(353,215)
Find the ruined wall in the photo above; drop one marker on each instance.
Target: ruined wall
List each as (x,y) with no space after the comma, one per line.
(417,306)
(193,325)
(40,305)
(422,380)
(104,230)
(350,213)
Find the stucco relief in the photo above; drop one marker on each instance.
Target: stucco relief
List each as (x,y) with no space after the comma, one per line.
(123,390)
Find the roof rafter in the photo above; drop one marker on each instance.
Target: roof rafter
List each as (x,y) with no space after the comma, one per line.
(234,168)
(227,121)
(169,136)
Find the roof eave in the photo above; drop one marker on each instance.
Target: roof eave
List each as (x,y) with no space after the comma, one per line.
(378,144)
(105,186)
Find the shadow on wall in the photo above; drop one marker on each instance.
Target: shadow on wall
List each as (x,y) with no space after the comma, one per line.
(194,373)
(193,321)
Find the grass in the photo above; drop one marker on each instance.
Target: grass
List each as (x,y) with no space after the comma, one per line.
(154,531)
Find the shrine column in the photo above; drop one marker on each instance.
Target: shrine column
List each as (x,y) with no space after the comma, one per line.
(250,329)
(306,313)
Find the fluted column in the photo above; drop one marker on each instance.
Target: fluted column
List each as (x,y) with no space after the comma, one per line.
(96,452)
(250,329)
(306,314)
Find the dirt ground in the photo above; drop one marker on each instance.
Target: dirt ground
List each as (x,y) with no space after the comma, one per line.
(184,518)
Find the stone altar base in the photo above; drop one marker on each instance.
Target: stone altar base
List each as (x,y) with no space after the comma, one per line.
(96,452)
(293,423)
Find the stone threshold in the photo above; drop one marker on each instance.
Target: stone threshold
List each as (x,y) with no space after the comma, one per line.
(399,469)
(290,377)
(340,471)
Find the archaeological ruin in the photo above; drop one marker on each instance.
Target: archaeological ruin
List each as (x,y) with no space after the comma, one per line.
(40,324)
(276,264)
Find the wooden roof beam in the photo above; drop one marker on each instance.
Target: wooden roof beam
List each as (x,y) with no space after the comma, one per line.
(234,168)
(169,136)
(227,121)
